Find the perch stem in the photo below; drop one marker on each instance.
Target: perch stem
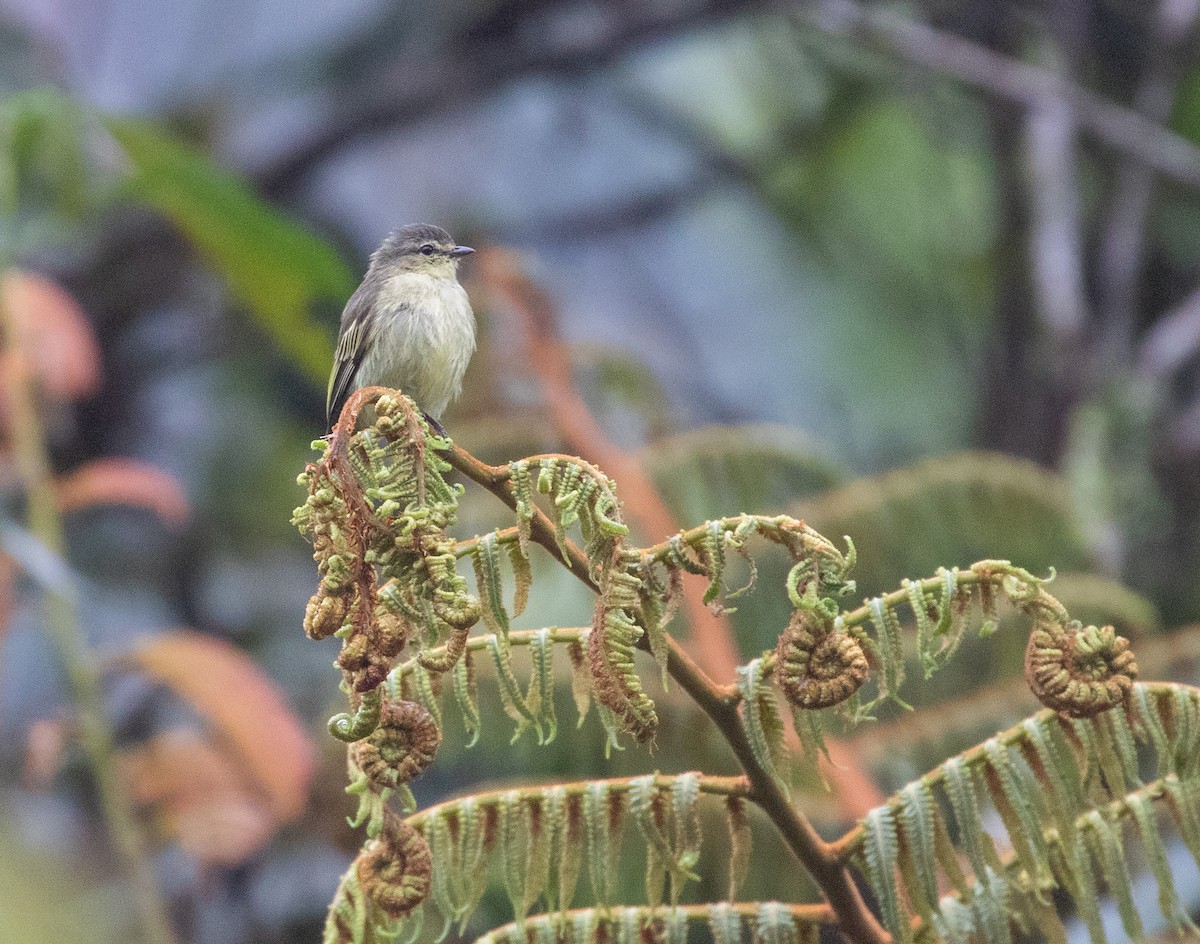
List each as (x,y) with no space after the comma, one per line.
(854,918)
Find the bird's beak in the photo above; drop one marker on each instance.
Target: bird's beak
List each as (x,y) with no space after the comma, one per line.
(461,251)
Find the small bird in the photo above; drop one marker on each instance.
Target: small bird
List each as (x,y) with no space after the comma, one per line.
(409,325)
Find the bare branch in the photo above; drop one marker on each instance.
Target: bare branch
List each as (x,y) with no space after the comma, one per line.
(1056,241)
(1173,341)
(1123,243)
(1125,131)
(417,86)
(1056,236)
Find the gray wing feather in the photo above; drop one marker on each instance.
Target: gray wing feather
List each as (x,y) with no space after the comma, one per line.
(358,324)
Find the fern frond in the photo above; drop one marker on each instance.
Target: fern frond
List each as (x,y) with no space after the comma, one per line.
(880,848)
(1065,832)
(761,922)
(566,820)
(668,819)
(917,813)
(615,632)
(1105,841)
(891,648)
(522,577)
(545,835)
(540,696)
(725,924)
(712,554)
(739,843)
(960,787)
(764,727)
(1015,792)
(520,475)
(528,706)
(604,815)
(511,696)
(989,909)
(466,694)
(1146,819)
(921,606)
(514,847)
(488,580)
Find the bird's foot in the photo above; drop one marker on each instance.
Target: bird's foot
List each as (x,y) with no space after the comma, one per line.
(438,427)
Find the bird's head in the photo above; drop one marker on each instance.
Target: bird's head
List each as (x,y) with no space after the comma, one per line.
(420,248)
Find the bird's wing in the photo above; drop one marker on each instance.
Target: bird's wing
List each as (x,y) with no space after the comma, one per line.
(358,324)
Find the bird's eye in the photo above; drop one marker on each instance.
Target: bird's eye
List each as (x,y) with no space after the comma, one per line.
(427,250)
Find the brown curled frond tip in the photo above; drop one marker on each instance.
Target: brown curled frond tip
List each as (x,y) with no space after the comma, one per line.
(394,870)
(326,613)
(401,746)
(1079,670)
(818,665)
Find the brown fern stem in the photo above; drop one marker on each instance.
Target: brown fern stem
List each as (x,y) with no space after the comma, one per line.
(855,920)
(710,785)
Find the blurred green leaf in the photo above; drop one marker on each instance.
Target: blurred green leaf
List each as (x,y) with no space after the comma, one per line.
(53,899)
(44,172)
(615,381)
(1099,601)
(949,510)
(274,266)
(893,204)
(708,472)
(1185,116)
(913,189)
(1109,462)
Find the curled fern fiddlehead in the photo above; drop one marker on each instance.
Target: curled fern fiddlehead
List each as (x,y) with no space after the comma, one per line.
(401,746)
(1079,670)
(819,664)
(378,507)
(354,727)
(395,869)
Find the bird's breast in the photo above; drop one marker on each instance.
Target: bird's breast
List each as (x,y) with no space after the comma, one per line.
(427,337)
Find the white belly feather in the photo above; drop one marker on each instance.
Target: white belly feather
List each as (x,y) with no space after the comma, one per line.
(426,336)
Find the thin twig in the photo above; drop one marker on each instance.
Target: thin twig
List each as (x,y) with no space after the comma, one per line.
(1122,247)
(1003,77)
(1173,340)
(1056,237)
(62,626)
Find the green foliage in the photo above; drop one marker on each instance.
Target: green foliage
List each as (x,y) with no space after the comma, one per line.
(274,266)
(50,182)
(1076,817)
(704,472)
(1067,784)
(534,833)
(46,173)
(765,923)
(952,508)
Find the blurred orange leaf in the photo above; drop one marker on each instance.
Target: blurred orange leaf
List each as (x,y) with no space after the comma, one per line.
(8,572)
(198,797)
(56,336)
(243,707)
(45,745)
(123,482)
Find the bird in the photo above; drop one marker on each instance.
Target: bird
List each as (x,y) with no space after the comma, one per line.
(409,325)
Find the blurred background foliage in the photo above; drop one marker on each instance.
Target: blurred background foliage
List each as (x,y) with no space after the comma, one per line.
(923,274)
